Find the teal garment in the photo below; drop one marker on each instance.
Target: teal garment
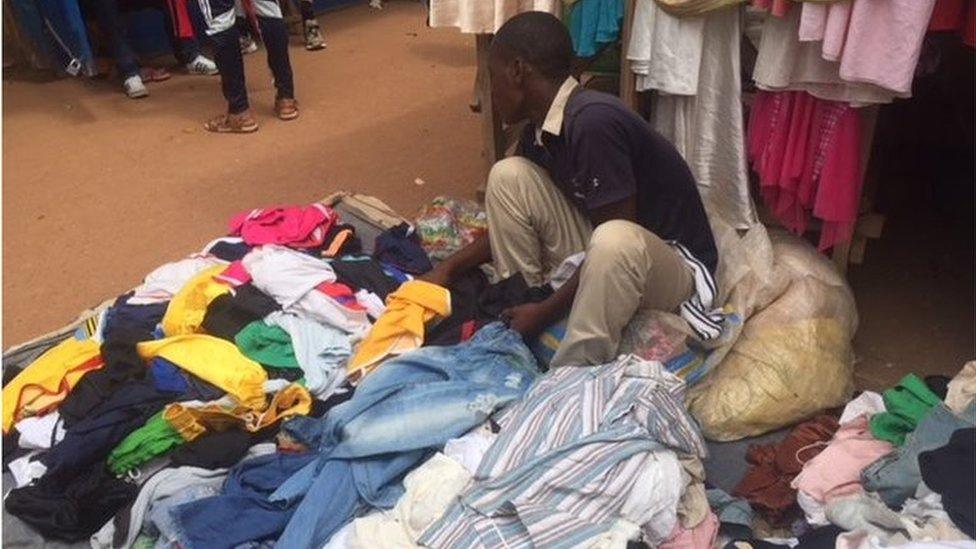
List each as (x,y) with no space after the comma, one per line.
(267,345)
(594,24)
(906,404)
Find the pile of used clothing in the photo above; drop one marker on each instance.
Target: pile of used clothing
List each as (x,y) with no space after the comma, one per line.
(896,469)
(296,385)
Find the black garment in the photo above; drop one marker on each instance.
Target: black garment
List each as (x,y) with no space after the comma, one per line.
(230,61)
(92,438)
(132,322)
(229,313)
(400,247)
(230,252)
(606,153)
(288,374)
(321,407)
(938,385)
(951,472)
(365,274)
(74,510)
(307,10)
(122,365)
(824,537)
(213,450)
(351,244)
(475,303)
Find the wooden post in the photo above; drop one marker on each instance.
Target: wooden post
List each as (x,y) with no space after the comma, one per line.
(872,229)
(628,81)
(492,136)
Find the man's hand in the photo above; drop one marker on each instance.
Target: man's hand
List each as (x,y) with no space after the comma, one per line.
(529,319)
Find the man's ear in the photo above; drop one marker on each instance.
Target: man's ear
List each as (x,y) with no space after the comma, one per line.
(518,70)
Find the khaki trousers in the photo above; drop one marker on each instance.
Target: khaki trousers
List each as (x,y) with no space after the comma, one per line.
(532,227)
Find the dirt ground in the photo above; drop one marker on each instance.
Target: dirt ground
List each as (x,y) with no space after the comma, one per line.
(98,189)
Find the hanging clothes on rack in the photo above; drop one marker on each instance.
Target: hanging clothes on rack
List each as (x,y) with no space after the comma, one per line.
(594,24)
(806,152)
(484,16)
(862,52)
(694,65)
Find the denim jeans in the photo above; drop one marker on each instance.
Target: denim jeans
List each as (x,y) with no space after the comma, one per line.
(242,512)
(411,404)
(895,477)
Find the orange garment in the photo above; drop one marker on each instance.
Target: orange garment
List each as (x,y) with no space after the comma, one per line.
(186,310)
(401,328)
(43,384)
(193,422)
(214,360)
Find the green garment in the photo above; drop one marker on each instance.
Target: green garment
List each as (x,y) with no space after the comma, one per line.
(906,403)
(154,438)
(144,541)
(268,345)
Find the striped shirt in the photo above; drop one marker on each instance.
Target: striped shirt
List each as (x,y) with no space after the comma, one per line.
(563,469)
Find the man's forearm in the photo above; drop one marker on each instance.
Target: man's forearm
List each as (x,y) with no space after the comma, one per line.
(561,301)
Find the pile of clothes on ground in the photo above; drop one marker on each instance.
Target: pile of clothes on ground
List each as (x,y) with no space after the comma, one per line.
(296,385)
(896,469)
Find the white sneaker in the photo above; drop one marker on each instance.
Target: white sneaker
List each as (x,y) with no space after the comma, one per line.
(202,65)
(134,87)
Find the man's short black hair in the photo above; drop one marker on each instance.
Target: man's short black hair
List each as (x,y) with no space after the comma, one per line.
(540,39)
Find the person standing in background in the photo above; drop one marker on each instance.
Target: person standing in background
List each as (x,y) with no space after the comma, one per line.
(311,30)
(220,16)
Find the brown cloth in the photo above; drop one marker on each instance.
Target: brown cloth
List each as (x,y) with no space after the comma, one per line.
(766,485)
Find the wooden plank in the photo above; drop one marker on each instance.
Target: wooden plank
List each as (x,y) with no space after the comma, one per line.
(493,138)
(628,81)
(842,252)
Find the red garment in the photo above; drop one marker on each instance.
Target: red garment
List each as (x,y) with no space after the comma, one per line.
(234,275)
(955,16)
(807,154)
(342,294)
(293,226)
(181,18)
(766,485)
(778,8)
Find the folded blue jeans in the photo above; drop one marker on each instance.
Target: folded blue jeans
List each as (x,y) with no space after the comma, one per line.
(895,477)
(411,404)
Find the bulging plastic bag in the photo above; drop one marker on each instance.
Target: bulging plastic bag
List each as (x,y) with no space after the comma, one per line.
(793,356)
(446,225)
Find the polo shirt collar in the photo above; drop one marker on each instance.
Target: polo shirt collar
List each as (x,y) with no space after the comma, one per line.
(553,124)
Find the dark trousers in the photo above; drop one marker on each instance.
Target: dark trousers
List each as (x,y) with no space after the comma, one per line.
(114,27)
(230,61)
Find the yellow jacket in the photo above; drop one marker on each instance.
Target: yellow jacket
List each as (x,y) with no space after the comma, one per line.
(185,312)
(401,328)
(215,361)
(44,383)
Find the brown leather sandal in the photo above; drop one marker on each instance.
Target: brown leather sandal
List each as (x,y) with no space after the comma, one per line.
(231,123)
(153,74)
(286,109)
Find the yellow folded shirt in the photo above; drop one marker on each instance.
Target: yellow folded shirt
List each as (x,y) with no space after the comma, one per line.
(401,328)
(215,361)
(186,310)
(193,422)
(44,383)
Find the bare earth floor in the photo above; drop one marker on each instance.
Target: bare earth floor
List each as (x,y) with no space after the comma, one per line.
(98,189)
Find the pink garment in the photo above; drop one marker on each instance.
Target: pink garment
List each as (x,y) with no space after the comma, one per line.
(835,29)
(836,471)
(884,40)
(292,226)
(807,154)
(698,537)
(778,8)
(234,275)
